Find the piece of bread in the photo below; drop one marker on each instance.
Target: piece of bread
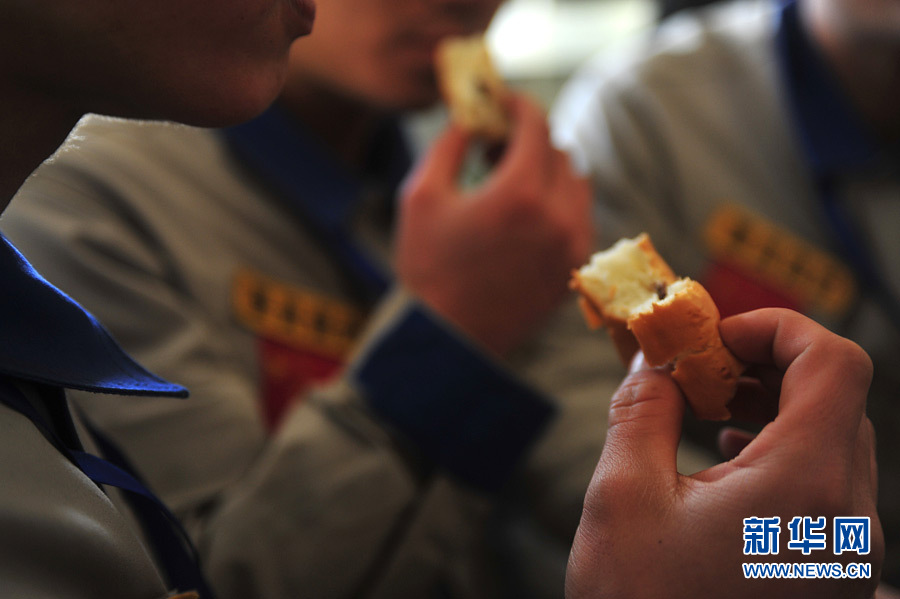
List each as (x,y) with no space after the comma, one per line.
(631,291)
(472,88)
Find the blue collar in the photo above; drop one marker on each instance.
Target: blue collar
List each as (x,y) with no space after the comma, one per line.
(47,338)
(832,135)
(319,190)
(280,149)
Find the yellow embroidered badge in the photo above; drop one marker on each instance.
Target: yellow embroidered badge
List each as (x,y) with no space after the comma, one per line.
(813,279)
(294,316)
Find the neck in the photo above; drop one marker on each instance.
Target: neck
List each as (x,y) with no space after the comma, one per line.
(32,126)
(868,70)
(344,125)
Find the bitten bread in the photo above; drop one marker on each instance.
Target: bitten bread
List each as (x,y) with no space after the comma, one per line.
(631,291)
(472,88)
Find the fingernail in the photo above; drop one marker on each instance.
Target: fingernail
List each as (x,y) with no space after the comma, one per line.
(638,362)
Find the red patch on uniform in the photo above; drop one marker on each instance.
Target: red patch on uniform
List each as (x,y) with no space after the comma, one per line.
(736,291)
(288,372)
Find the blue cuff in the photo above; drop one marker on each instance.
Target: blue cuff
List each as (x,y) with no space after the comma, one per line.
(465,414)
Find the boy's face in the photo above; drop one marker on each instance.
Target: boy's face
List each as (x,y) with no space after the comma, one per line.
(380,52)
(205,62)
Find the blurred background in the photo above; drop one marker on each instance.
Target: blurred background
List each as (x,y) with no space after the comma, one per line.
(536,44)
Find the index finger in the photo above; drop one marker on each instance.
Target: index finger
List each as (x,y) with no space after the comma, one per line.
(826,377)
(528,158)
(440,166)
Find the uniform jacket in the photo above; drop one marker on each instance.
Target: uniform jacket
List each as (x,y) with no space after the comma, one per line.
(341,442)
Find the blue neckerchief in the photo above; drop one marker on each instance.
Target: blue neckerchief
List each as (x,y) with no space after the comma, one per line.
(834,140)
(169,542)
(832,135)
(319,190)
(47,338)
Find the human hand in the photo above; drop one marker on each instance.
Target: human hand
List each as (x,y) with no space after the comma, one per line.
(647,531)
(495,260)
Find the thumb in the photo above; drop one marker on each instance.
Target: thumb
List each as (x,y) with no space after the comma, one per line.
(440,167)
(645,417)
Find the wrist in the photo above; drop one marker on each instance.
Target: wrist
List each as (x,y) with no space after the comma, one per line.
(480,327)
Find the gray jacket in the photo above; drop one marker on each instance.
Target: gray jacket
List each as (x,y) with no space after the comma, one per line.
(380,480)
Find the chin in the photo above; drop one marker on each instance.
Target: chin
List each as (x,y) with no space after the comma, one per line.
(228,102)
(418,93)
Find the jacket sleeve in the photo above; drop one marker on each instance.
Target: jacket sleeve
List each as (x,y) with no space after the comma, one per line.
(377,485)
(412,442)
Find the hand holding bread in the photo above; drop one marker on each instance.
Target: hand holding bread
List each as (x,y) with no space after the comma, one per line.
(494,259)
(649,531)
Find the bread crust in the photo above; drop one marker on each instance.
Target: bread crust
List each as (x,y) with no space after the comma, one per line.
(688,322)
(472,88)
(680,327)
(709,380)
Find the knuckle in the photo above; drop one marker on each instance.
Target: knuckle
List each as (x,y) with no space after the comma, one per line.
(637,398)
(611,490)
(854,362)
